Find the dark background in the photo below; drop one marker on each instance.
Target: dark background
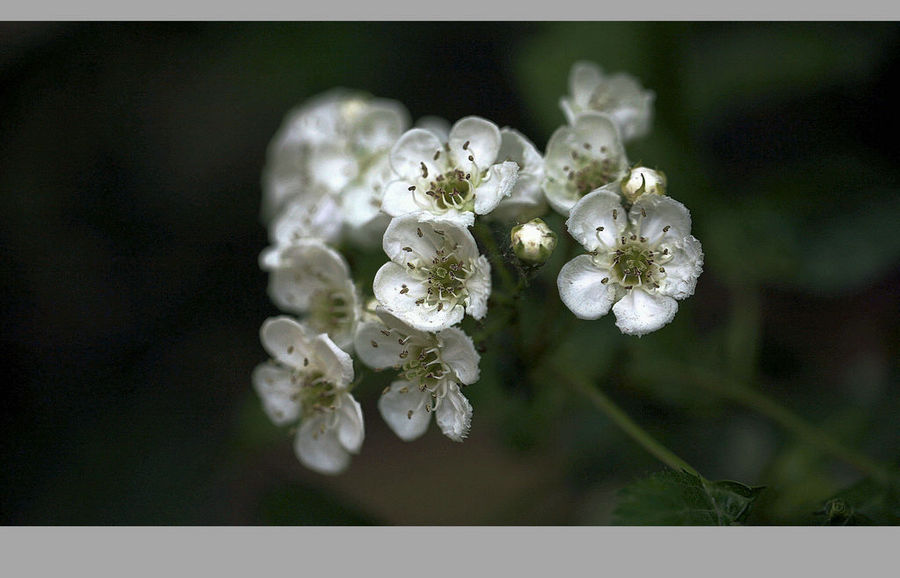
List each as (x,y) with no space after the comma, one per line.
(130,160)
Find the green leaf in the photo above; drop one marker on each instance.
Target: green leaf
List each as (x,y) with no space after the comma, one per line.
(681,499)
(863,504)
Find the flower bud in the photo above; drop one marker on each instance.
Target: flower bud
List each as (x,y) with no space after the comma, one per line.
(533,242)
(641,180)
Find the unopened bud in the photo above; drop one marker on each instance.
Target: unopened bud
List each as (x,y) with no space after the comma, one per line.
(533,242)
(640,181)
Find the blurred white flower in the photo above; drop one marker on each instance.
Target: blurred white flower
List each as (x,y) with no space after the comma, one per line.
(436,274)
(335,144)
(432,368)
(619,96)
(307,380)
(581,158)
(526,200)
(310,278)
(453,178)
(639,263)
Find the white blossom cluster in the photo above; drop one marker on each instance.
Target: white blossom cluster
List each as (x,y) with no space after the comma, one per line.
(346,171)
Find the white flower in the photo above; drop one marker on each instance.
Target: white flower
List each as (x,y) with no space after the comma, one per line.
(581,158)
(308,380)
(432,367)
(640,262)
(435,275)
(619,96)
(526,200)
(335,144)
(452,179)
(311,278)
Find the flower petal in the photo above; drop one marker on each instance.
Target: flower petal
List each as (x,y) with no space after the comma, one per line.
(319,448)
(479,287)
(350,428)
(313,216)
(334,362)
(454,414)
(301,270)
(499,184)
(583,79)
(374,348)
(273,385)
(639,313)
(597,220)
(683,269)
(458,352)
(403,408)
(415,147)
(474,137)
(397,290)
(399,200)
(667,220)
(411,232)
(286,340)
(582,289)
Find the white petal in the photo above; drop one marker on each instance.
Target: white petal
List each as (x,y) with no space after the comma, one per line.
(454,414)
(397,290)
(332,166)
(479,287)
(435,124)
(374,348)
(583,79)
(415,147)
(458,352)
(273,385)
(582,289)
(667,220)
(559,150)
(350,428)
(410,231)
(304,268)
(399,200)
(481,139)
(499,184)
(683,269)
(381,126)
(526,200)
(403,408)
(286,340)
(316,217)
(359,206)
(639,313)
(601,134)
(514,146)
(333,361)
(319,447)
(597,220)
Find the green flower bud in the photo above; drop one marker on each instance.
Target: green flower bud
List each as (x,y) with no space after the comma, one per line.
(533,242)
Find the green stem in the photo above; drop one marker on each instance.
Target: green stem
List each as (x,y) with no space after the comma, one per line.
(485,237)
(748,396)
(629,426)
